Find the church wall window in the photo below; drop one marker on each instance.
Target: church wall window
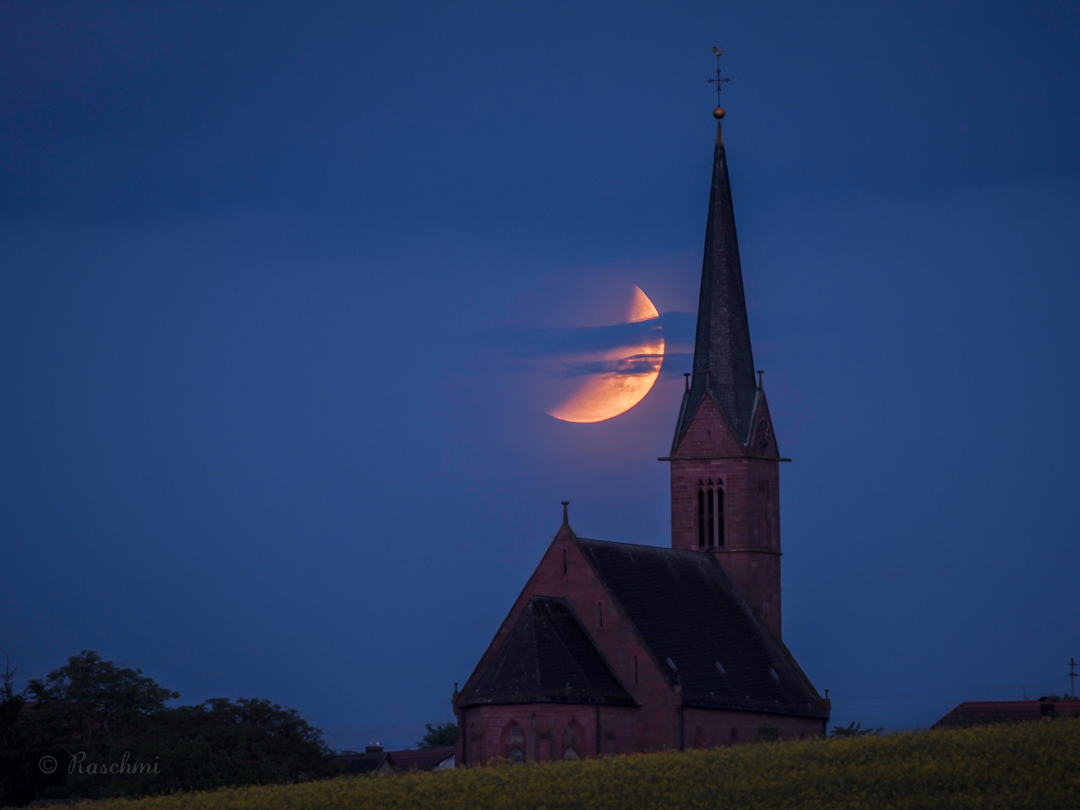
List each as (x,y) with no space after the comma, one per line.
(514,749)
(573,739)
(600,612)
(635,670)
(564,561)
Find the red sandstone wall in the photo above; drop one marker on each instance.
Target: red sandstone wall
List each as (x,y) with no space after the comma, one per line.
(598,730)
(751,552)
(608,730)
(708,728)
(655,726)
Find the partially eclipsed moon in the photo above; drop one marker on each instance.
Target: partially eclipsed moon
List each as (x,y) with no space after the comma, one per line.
(629,374)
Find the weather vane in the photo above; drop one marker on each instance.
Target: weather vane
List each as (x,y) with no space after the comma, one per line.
(719,81)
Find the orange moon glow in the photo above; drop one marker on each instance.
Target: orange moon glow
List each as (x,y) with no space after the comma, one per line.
(635,368)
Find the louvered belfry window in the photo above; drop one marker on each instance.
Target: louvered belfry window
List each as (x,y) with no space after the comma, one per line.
(701,495)
(710,514)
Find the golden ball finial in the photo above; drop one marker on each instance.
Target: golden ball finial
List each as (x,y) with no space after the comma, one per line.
(718,113)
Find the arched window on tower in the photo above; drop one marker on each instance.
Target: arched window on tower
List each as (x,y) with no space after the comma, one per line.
(711,501)
(710,513)
(719,497)
(701,495)
(763,514)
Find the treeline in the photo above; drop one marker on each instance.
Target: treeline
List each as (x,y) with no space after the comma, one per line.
(91,729)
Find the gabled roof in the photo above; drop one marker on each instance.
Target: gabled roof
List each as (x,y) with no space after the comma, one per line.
(691,618)
(380,762)
(421,759)
(986,712)
(548,658)
(723,361)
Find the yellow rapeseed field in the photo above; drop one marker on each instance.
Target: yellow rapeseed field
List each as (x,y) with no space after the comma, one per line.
(1031,765)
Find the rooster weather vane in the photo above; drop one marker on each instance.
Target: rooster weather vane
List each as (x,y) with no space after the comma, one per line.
(719,81)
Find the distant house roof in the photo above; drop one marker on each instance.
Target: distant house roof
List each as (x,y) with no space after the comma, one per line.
(423,759)
(370,762)
(705,637)
(548,658)
(987,712)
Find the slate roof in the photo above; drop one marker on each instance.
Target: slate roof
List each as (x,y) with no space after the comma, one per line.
(722,345)
(548,658)
(690,617)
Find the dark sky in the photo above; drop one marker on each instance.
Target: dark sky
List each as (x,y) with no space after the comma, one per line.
(278,282)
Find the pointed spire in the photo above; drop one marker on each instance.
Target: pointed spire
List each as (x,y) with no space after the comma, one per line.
(723,362)
(565,530)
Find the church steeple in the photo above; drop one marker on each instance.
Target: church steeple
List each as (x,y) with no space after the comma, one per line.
(723,361)
(725,471)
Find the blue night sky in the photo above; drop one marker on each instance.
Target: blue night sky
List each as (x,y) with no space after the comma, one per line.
(283,287)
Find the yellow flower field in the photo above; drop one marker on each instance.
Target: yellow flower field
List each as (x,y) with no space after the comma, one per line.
(1031,765)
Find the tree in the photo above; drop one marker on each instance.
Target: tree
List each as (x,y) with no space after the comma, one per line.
(92,701)
(855,730)
(441,736)
(111,733)
(767,733)
(19,779)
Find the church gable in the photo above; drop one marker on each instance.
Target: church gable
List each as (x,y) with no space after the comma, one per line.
(548,657)
(708,435)
(564,572)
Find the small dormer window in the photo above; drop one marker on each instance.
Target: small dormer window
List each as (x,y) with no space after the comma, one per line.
(773,673)
(671,664)
(720,668)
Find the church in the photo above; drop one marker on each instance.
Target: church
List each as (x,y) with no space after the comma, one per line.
(614,648)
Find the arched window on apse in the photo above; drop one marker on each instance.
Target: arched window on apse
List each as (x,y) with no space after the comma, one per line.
(734,738)
(699,738)
(515,743)
(572,739)
(710,513)
(635,670)
(600,612)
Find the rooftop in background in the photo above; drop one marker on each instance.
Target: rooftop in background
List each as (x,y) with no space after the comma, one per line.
(375,760)
(988,712)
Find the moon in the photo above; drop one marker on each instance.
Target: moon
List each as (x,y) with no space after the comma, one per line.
(633,371)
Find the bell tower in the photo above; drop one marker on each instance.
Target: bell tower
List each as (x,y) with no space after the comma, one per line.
(725,464)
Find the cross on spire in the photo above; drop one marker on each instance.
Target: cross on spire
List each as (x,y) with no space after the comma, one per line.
(719,80)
